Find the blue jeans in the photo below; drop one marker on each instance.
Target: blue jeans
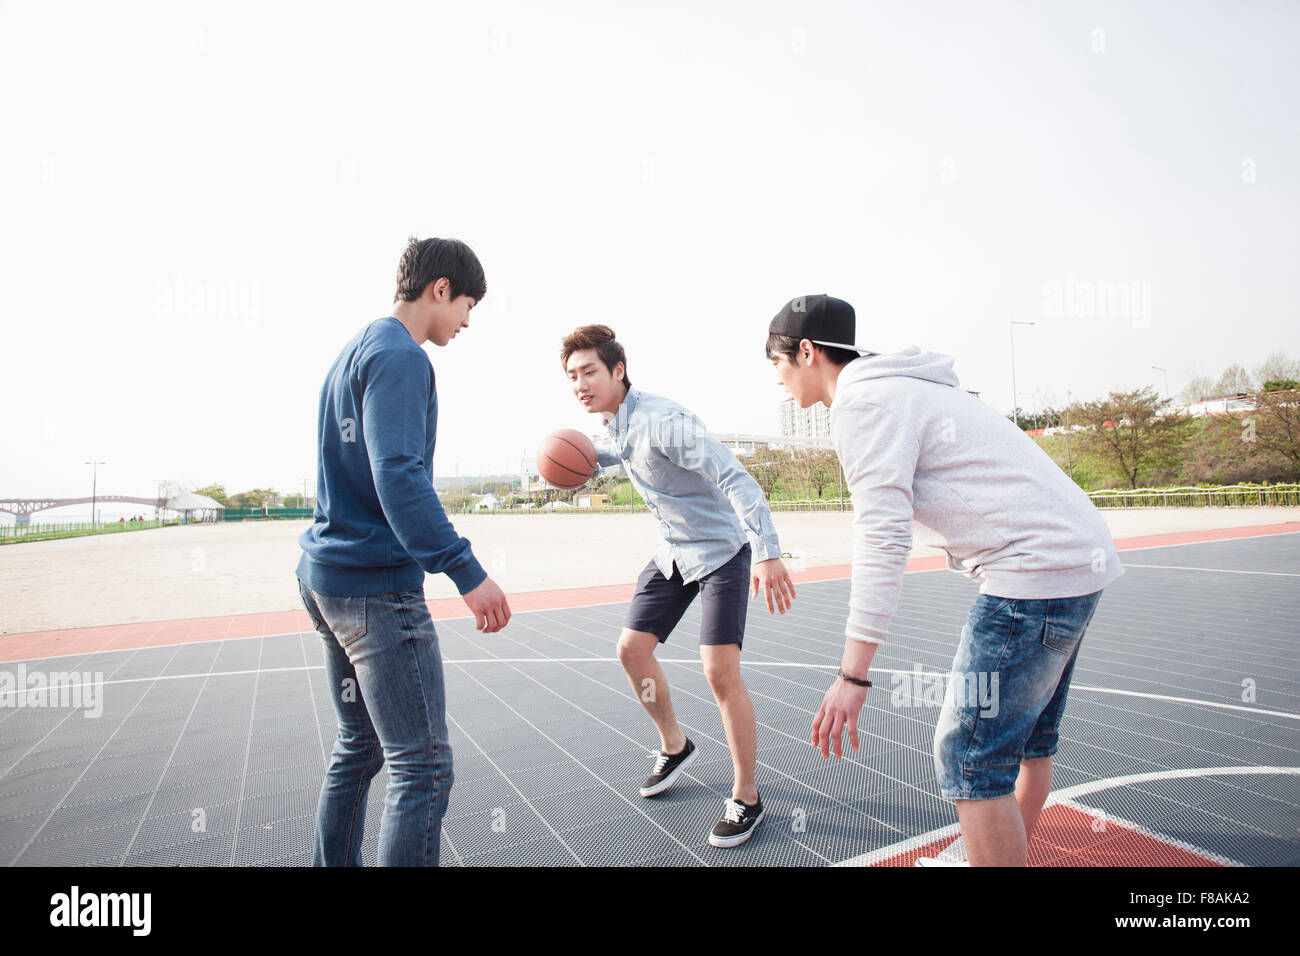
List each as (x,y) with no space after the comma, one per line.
(385,677)
(1006,692)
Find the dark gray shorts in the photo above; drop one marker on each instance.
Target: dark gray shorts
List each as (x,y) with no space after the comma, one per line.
(660,602)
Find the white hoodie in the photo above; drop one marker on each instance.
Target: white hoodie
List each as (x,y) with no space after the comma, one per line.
(915,446)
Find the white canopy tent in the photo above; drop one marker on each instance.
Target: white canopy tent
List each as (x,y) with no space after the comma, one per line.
(187,503)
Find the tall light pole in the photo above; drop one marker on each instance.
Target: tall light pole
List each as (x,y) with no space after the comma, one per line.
(1034,396)
(1068,463)
(158,507)
(94,487)
(1166,371)
(1015,396)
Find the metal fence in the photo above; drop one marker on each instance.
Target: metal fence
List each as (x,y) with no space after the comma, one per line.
(1227,496)
(10,534)
(265,514)
(1230,496)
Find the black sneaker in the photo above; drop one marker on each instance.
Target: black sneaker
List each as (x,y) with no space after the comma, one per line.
(668,768)
(739,820)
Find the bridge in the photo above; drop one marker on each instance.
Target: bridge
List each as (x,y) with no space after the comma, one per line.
(24,508)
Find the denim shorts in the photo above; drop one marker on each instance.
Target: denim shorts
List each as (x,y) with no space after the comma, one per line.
(660,602)
(1006,692)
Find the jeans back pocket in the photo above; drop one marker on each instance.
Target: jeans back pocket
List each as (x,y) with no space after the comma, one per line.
(346,616)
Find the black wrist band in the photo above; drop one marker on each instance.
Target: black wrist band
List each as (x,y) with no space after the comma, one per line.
(861,682)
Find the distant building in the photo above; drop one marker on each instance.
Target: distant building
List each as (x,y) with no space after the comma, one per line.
(487,503)
(596,500)
(811,422)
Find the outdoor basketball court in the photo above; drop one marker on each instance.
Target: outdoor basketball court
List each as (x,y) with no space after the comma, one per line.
(1179,745)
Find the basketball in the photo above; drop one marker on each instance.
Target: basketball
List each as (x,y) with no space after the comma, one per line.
(566,459)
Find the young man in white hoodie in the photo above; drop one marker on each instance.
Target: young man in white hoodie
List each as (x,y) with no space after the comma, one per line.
(915,446)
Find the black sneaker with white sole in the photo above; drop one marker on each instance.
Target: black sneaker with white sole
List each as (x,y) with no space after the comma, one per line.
(668,767)
(739,820)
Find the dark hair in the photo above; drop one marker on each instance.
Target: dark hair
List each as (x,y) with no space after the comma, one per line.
(598,337)
(788,346)
(428,260)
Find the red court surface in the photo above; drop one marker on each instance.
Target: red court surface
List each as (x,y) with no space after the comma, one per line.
(32,645)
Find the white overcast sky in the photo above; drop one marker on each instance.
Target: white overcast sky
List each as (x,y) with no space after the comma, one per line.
(201,203)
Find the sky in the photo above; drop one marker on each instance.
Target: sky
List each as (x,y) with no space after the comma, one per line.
(203,203)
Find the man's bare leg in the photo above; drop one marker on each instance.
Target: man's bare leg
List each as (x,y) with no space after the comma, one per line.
(993,831)
(1032,787)
(722,669)
(636,652)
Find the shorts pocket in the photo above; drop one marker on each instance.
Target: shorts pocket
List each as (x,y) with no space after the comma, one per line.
(986,606)
(1063,640)
(346,616)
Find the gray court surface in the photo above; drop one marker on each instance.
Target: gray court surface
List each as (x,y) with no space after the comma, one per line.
(213,753)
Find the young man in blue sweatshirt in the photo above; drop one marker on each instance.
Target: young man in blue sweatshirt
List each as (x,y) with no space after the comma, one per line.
(916,447)
(378,529)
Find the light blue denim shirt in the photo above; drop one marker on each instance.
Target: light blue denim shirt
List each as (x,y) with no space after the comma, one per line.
(707,505)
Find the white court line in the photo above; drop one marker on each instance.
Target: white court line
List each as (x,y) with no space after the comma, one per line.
(1067,796)
(1174,567)
(470,617)
(663,660)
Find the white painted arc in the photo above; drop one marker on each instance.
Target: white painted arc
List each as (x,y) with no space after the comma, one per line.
(1067,796)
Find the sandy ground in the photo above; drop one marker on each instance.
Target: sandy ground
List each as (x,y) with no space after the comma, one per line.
(248,567)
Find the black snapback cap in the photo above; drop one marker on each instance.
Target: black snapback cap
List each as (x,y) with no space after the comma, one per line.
(823,319)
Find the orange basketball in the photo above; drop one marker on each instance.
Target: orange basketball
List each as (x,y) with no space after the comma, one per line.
(566,459)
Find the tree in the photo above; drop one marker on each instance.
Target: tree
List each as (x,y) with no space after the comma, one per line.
(823,468)
(1132,432)
(1279,385)
(1233,381)
(767,467)
(1275,425)
(255,498)
(1277,367)
(1226,451)
(216,492)
(1197,389)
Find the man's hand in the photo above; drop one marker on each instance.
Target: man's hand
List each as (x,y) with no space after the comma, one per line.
(773,579)
(839,709)
(488,602)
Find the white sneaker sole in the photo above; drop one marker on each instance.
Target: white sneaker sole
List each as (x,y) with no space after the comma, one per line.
(724,842)
(935,861)
(671,779)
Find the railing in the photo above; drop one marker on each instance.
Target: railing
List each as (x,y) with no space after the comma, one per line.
(265,514)
(825,504)
(1227,496)
(12,534)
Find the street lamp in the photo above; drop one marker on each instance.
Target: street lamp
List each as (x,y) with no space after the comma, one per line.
(1069,464)
(94,487)
(1034,396)
(1015,396)
(1166,371)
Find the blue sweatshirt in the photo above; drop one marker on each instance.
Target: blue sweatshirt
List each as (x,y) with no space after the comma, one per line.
(379,525)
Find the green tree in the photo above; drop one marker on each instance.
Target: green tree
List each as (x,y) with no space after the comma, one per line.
(1275,425)
(822,468)
(768,467)
(215,492)
(1133,433)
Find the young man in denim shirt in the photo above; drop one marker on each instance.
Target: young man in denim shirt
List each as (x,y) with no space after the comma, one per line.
(916,446)
(378,528)
(713,522)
